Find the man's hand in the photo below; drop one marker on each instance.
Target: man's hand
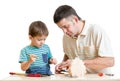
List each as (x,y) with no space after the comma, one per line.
(62,65)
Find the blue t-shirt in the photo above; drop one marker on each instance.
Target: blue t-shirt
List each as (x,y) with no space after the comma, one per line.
(43,55)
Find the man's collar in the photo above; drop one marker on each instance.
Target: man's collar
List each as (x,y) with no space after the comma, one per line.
(85,29)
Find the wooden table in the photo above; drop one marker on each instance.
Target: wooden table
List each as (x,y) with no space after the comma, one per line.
(63,77)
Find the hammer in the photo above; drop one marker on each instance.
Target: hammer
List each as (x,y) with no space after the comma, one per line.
(29,75)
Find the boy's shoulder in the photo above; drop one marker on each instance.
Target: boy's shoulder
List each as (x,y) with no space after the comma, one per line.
(45,45)
(26,47)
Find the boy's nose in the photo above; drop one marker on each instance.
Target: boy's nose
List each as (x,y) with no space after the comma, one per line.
(42,41)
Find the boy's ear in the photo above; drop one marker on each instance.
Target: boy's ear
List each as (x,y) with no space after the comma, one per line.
(30,37)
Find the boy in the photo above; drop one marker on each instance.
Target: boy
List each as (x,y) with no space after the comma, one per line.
(35,58)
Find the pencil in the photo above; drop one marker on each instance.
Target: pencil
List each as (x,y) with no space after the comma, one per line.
(29,55)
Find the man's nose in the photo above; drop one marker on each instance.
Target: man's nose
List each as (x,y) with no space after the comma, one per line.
(65,31)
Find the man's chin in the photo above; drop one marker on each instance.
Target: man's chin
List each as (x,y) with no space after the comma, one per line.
(73,36)
(70,35)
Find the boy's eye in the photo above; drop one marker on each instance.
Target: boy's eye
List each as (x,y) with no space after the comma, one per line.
(41,39)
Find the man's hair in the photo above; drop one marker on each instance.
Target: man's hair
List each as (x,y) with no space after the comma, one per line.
(64,11)
(38,28)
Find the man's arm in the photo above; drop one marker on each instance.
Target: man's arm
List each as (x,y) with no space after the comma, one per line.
(65,57)
(99,63)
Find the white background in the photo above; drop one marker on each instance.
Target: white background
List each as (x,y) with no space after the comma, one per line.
(16,15)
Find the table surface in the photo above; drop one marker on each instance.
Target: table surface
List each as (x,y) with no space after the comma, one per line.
(63,77)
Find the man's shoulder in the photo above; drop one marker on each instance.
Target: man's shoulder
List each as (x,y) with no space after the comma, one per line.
(95,28)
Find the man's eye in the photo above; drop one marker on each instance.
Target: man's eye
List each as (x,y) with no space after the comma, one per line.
(65,26)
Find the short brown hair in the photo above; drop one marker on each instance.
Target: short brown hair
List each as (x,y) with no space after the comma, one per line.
(64,11)
(38,28)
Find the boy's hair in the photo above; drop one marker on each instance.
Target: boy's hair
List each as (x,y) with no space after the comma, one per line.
(38,28)
(64,11)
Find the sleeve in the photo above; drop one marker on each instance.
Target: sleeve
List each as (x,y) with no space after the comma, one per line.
(23,56)
(49,53)
(104,45)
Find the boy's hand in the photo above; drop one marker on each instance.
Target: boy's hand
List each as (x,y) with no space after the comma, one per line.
(33,57)
(53,61)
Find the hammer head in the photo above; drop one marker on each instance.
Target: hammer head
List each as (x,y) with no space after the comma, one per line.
(34,75)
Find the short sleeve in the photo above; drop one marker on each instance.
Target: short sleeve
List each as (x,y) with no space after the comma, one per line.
(23,56)
(103,42)
(49,53)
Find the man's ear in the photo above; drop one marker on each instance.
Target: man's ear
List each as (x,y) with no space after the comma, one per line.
(75,19)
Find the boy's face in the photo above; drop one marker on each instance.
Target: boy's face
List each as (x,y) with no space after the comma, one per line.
(37,40)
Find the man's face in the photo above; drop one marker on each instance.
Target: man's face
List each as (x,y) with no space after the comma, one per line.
(68,26)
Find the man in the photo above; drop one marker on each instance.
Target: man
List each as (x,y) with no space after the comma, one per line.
(81,39)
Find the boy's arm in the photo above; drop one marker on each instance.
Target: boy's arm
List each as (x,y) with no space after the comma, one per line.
(25,65)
